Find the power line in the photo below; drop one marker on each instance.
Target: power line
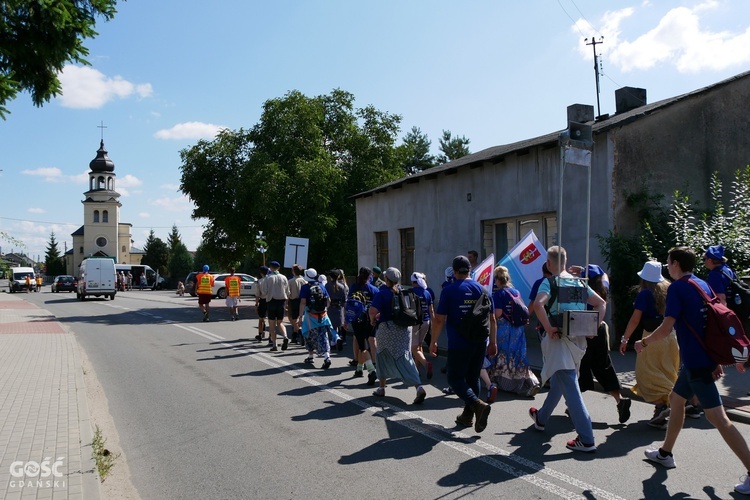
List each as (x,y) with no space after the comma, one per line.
(78,223)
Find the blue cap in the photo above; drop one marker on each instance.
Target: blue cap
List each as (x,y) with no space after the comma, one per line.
(592,271)
(205,268)
(264,269)
(715,252)
(274,263)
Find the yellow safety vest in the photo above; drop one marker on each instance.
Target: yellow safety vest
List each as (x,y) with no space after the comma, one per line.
(204,284)
(233,285)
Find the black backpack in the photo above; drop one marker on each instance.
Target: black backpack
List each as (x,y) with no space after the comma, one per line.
(318,301)
(475,324)
(738,296)
(406,308)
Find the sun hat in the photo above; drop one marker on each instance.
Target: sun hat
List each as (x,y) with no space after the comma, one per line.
(651,272)
(592,271)
(715,252)
(322,279)
(311,275)
(392,274)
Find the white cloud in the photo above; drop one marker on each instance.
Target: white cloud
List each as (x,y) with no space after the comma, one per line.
(144,215)
(174,204)
(129,181)
(86,88)
(190,130)
(81,179)
(171,187)
(678,39)
(36,210)
(50,174)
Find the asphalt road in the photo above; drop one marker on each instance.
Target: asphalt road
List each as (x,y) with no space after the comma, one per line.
(203,411)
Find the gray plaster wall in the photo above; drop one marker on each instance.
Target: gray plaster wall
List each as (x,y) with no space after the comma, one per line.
(523,183)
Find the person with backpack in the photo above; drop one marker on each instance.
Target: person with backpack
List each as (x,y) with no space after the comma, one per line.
(418,333)
(261,305)
(656,368)
(338,291)
(357,318)
(316,326)
(510,370)
(596,362)
(686,312)
(720,275)
(390,310)
(562,353)
(295,285)
(465,310)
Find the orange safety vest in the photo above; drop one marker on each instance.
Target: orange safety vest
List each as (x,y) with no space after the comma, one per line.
(233,285)
(205,282)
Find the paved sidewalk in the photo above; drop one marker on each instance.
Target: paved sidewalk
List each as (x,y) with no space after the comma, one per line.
(45,432)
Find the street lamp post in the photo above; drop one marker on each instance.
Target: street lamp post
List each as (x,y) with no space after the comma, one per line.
(262,246)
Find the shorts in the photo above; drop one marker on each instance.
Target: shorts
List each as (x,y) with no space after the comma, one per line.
(232,301)
(294,308)
(698,383)
(204,298)
(262,308)
(361,333)
(276,309)
(418,334)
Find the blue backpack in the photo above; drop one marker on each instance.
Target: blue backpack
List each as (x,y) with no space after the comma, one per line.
(516,311)
(355,308)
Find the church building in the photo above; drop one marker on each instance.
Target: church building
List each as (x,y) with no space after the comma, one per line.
(102,234)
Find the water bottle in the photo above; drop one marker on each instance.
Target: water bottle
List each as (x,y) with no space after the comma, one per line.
(737,299)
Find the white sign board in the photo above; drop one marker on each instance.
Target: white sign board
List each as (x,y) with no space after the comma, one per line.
(296,252)
(577,156)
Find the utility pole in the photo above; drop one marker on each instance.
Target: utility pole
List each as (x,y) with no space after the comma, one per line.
(594,42)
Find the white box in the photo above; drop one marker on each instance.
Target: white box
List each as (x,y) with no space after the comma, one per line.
(580,323)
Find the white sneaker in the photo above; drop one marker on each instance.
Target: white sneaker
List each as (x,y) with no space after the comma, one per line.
(744,486)
(654,456)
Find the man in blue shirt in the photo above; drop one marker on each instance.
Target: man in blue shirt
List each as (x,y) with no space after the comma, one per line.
(465,358)
(720,276)
(698,373)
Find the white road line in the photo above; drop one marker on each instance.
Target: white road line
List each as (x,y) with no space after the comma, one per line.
(438,432)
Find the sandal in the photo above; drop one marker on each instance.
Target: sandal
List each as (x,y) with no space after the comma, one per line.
(379,392)
(448,390)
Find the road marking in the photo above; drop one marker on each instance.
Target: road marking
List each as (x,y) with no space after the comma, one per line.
(434,430)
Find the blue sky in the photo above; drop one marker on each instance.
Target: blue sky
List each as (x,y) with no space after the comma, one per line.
(166,74)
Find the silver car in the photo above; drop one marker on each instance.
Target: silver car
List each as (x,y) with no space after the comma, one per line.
(248,285)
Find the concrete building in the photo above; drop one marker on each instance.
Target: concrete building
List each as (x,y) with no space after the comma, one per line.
(490,199)
(102,234)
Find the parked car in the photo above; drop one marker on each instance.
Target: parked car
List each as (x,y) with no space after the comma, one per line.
(64,283)
(190,283)
(247,287)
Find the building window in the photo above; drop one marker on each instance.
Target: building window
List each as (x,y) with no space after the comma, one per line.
(500,235)
(80,250)
(101,242)
(407,253)
(381,249)
(123,249)
(105,216)
(96,216)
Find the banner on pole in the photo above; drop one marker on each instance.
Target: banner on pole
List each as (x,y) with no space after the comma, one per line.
(524,263)
(483,273)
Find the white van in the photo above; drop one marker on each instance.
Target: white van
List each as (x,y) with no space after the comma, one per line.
(97,277)
(17,279)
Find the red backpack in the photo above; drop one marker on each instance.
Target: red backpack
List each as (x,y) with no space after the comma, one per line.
(725,340)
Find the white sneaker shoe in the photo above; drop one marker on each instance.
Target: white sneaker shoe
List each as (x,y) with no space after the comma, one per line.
(654,456)
(744,486)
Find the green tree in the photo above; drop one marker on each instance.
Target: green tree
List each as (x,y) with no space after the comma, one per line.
(37,38)
(173,239)
(180,262)
(452,148)
(416,152)
(292,174)
(52,259)
(156,253)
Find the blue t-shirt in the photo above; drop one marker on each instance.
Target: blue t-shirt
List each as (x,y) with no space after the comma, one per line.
(457,299)
(504,302)
(685,304)
(426,298)
(368,290)
(646,303)
(718,280)
(567,282)
(535,289)
(383,302)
